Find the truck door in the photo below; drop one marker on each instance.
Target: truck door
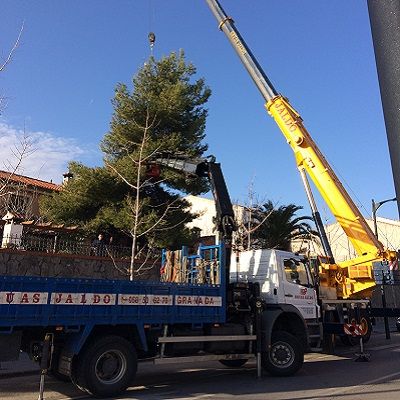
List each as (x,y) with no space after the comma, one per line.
(298,286)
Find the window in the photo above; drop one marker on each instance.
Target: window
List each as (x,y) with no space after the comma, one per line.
(296,271)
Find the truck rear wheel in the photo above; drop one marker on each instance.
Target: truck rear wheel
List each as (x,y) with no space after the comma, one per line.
(285,356)
(106,367)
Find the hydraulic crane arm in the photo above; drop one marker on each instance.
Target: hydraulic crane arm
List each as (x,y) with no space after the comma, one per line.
(308,156)
(225,217)
(208,168)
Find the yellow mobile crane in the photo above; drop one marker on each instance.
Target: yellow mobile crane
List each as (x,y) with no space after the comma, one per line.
(353,278)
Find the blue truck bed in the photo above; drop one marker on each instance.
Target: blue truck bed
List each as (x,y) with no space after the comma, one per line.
(39,301)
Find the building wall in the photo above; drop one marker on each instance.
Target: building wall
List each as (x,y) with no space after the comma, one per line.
(205,208)
(388,231)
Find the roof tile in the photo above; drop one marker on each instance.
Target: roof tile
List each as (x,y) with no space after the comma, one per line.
(29,181)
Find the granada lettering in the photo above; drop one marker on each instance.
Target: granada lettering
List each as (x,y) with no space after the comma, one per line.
(198,301)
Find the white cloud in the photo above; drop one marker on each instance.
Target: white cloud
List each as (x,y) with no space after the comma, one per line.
(49,156)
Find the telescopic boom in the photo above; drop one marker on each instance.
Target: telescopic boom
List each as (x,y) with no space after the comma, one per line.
(358,272)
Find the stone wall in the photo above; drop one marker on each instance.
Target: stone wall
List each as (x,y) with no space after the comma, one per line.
(25,263)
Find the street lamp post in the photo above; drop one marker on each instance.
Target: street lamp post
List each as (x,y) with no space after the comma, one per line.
(375,206)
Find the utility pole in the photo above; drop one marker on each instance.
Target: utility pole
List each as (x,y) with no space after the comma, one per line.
(375,207)
(385,28)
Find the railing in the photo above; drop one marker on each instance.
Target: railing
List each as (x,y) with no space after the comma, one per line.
(201,268)
(386,273)
(59,245)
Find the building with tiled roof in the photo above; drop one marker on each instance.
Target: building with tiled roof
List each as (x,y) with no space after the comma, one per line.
(26,180)
(20,194)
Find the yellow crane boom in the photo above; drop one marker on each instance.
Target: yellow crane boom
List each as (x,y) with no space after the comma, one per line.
(351,277)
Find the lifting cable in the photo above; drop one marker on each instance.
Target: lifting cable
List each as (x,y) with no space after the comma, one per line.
(151,36)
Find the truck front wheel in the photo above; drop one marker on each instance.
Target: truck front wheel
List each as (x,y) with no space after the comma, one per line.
(285,356)
(106,367)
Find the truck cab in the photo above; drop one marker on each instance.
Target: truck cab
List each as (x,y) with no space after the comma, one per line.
(284,278)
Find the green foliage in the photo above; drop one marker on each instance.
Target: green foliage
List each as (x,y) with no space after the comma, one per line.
(277,227)
(164,113)
(84,196)
(166,101)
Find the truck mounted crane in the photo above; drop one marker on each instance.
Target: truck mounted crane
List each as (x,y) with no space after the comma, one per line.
(210,169)
(352,278)
(260,305)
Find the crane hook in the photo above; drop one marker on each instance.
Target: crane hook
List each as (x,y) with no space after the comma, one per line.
(152,39)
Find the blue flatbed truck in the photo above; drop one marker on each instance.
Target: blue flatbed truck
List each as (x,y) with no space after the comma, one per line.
(95,331)
(100,328)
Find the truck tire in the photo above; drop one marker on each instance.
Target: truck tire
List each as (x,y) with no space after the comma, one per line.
(106,367)
(285,356)
(233,363)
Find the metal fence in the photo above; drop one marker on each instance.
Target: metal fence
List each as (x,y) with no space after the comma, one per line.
(386,273)
(55,244)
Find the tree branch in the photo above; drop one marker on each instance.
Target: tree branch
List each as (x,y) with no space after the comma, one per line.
(10,54)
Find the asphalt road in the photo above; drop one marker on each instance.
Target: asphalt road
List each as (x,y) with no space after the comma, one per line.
(322,377)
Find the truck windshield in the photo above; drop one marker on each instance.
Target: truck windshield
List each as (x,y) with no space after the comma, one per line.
(296,271)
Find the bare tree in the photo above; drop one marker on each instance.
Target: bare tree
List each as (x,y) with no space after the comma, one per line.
(6,61)
(247,225)
(14,193)
(143,253)
(246,222)
(22,149)
(15,196)
(19,199)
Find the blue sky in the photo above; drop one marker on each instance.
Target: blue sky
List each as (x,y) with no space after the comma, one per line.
(318,53)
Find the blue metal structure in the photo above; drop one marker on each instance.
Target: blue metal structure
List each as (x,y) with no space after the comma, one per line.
(38,301)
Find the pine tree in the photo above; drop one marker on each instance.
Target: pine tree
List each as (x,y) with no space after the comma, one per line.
(164,113)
